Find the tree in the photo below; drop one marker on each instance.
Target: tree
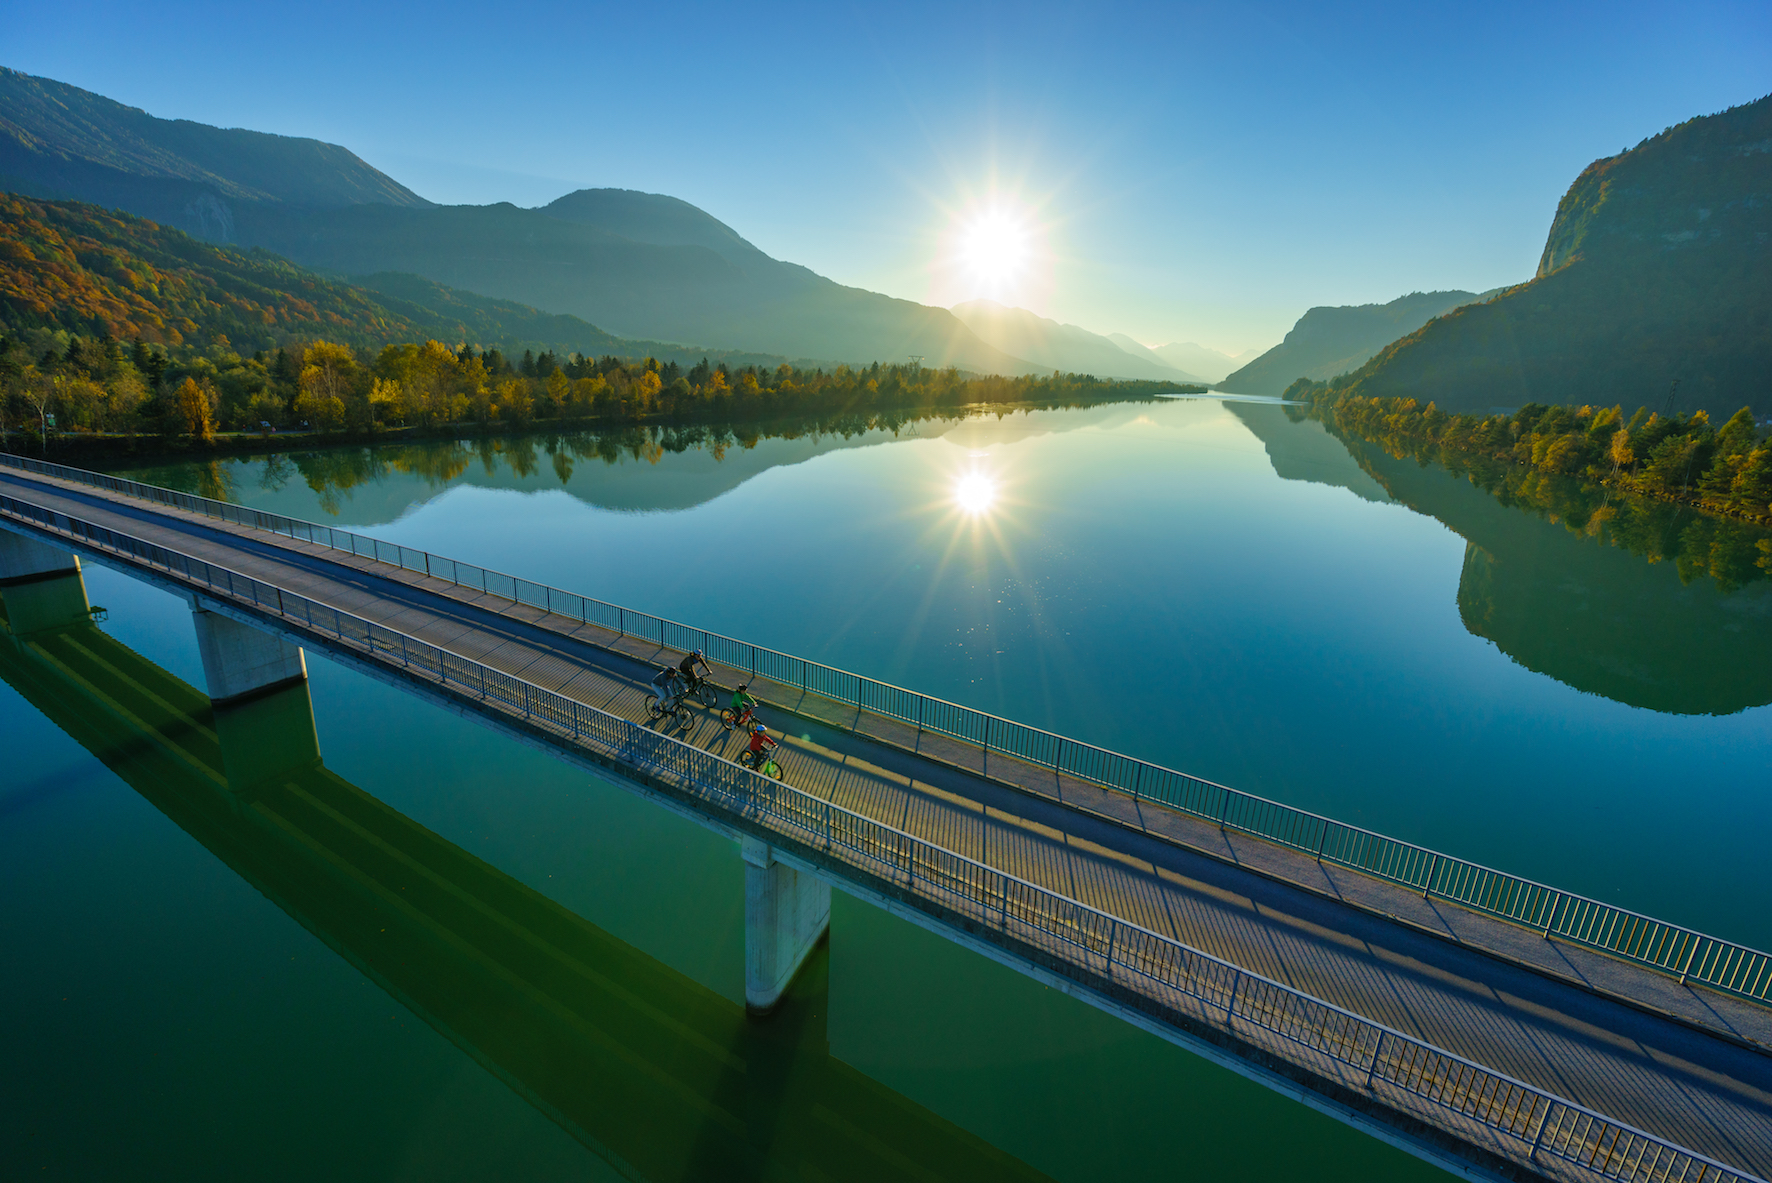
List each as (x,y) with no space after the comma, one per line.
(559,388)
(39,392)
(327,370)
(196,417)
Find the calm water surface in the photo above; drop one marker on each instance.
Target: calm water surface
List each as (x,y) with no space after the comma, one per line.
(1211,586)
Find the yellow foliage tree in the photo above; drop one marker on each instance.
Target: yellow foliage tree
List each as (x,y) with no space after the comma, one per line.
(198,419)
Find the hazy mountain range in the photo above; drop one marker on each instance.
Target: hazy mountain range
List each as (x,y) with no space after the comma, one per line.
(634,264)
(1055,346)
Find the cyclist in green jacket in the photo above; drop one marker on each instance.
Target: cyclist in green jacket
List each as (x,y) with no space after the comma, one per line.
(742,706)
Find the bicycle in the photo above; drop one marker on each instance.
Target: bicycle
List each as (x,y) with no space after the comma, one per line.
(705,692)
(732,721)
(677,708)
(771,766)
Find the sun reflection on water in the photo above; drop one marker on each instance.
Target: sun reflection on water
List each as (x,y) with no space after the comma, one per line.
(975,493)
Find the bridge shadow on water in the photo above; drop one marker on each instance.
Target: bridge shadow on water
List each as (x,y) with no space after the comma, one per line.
(657,1075)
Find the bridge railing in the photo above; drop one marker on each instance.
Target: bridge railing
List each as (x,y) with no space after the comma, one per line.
(1670,948)
(1156,974)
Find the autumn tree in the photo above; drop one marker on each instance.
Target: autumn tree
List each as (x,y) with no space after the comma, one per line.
(196,416)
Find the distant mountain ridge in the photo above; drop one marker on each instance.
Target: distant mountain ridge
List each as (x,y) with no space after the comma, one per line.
(644,266)
(57,140)
(1328,341)
(1656,270)
(1211,364)
(1063,347)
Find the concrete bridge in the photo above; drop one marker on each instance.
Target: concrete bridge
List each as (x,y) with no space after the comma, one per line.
(1497,1027)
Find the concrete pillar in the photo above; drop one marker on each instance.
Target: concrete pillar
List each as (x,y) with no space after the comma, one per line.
(267,735)
(42,585)
(23,558)
(786,914)
(240,660)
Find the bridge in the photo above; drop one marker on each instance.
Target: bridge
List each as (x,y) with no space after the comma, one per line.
(1497,1027)
(657,1075)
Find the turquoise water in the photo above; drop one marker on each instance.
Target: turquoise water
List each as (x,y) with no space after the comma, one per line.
(1211,586)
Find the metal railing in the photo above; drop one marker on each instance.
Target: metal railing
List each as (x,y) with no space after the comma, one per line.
(1154,973)
(1670,948)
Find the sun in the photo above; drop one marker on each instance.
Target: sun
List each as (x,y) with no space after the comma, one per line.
(975,493)
(996,247)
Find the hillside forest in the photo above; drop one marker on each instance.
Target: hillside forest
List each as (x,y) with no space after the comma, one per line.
(93,386)
(1570,463)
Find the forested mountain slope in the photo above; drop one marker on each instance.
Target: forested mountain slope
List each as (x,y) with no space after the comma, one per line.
(1330,341)
(95,272)
(1657,269)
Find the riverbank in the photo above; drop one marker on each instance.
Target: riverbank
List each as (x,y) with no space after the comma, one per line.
(105,450)
(1680,459)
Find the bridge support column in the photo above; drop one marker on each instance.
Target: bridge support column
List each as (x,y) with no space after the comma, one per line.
(786,914)
(42,585)
(240,661)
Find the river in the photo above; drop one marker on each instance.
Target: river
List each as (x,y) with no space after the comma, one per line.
(1213,585)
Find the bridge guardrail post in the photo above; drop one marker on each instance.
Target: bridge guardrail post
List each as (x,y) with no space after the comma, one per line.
(1690,953)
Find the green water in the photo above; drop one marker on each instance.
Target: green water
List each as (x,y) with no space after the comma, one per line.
(1211,586)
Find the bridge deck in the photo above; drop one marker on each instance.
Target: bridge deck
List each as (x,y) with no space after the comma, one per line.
(1453,978)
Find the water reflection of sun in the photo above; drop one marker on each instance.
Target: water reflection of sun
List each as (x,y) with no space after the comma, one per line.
(975,493)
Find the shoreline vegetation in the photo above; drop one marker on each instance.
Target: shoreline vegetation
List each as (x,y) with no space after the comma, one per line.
(97,398)
(1626,481)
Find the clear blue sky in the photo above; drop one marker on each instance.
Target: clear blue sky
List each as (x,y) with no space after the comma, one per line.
(1193,172)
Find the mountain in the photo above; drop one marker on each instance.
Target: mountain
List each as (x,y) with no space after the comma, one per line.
(1657,269)
(97,272)
(57,140)
(645,265)
(1330,341)
(1053,346)
(1211,364)
(1138,349)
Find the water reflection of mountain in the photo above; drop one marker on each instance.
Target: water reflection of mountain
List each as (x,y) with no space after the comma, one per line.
(634,470)
(1593,616)
(657,1075)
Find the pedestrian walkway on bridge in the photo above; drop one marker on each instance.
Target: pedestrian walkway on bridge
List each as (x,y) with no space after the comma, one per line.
(1459,1035)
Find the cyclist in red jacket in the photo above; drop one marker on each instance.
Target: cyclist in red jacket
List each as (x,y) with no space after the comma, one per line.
(760,742)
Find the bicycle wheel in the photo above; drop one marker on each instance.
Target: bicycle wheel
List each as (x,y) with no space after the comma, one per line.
(774,769)
(652,707)
(685,720)
(708,695)
(728,720)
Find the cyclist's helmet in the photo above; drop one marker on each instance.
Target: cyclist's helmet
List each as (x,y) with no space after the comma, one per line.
(744,685)
(701,652)
(759,729)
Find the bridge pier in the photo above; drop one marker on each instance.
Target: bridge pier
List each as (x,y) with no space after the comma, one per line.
(241,662)
(786,914)
(42,583)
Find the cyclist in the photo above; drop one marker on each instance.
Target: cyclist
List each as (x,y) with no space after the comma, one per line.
(760,742)
(670,688)
(686,667)
(743,706)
